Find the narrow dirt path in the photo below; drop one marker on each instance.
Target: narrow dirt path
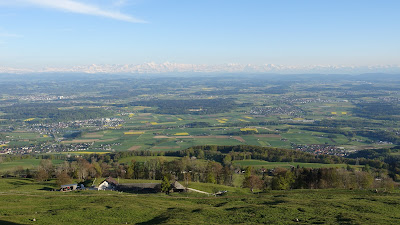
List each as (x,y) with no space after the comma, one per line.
(195,190)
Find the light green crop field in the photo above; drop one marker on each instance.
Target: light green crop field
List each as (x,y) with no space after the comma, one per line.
(23,201)
(145,158)
(271,165)
(23,163)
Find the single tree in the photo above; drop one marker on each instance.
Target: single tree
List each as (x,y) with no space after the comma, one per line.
(252,182)
(63,178)
(165,185)
(41,175)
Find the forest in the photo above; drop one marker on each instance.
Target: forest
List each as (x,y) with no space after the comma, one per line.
(51,112)
(378,110)
(193,106)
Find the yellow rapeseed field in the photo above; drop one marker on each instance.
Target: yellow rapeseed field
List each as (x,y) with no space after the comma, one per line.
(222,120)
(181,134)
(98,153)
(133,132)
(249,129)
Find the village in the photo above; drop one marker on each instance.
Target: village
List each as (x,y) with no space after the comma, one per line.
(319,149)
(59,127)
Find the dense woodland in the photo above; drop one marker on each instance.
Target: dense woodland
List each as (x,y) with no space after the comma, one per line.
(51,112)
(378,110)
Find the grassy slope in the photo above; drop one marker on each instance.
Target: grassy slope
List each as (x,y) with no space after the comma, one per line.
(24,163)
(21,201)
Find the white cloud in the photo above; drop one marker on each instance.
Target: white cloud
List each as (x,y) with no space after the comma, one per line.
(83,8)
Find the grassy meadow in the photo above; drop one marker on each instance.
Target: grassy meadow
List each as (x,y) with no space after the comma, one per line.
(23,200)
(23,163)
(288,165)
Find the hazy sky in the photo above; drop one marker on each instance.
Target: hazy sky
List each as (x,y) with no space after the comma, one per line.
(37,33)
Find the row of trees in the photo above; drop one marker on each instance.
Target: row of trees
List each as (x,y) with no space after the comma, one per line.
(186,169)
(321,178)
(154,169)
(213,164)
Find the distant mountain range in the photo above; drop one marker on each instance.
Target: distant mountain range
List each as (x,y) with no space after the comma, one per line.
(154,68)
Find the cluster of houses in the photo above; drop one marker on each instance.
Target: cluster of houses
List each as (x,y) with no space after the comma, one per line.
(111,184)
(320,149)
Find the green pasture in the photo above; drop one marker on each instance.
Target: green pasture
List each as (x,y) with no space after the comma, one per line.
(23,163)
(145,158)
(187,142)
(302,137)
(213,188)
(26,136)
(22,201)
(271,165)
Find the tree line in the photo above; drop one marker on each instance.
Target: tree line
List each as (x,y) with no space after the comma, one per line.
(214,164)
(51,112)
(242,152)
(320,178)
(189,169)
(189,106)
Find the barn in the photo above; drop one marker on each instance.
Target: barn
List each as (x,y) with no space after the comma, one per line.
(108,184)
(112,184)
(140,187)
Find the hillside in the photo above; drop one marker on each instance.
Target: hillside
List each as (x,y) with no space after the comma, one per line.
(23,200)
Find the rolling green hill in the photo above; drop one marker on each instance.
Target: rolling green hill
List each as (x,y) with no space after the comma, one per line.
(23,200)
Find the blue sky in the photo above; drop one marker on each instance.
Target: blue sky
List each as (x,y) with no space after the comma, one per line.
(37,33)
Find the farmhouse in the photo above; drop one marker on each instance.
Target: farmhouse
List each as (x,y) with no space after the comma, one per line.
(108,184)
(111,184)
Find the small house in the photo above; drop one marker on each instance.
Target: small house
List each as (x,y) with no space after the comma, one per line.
(108,184)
